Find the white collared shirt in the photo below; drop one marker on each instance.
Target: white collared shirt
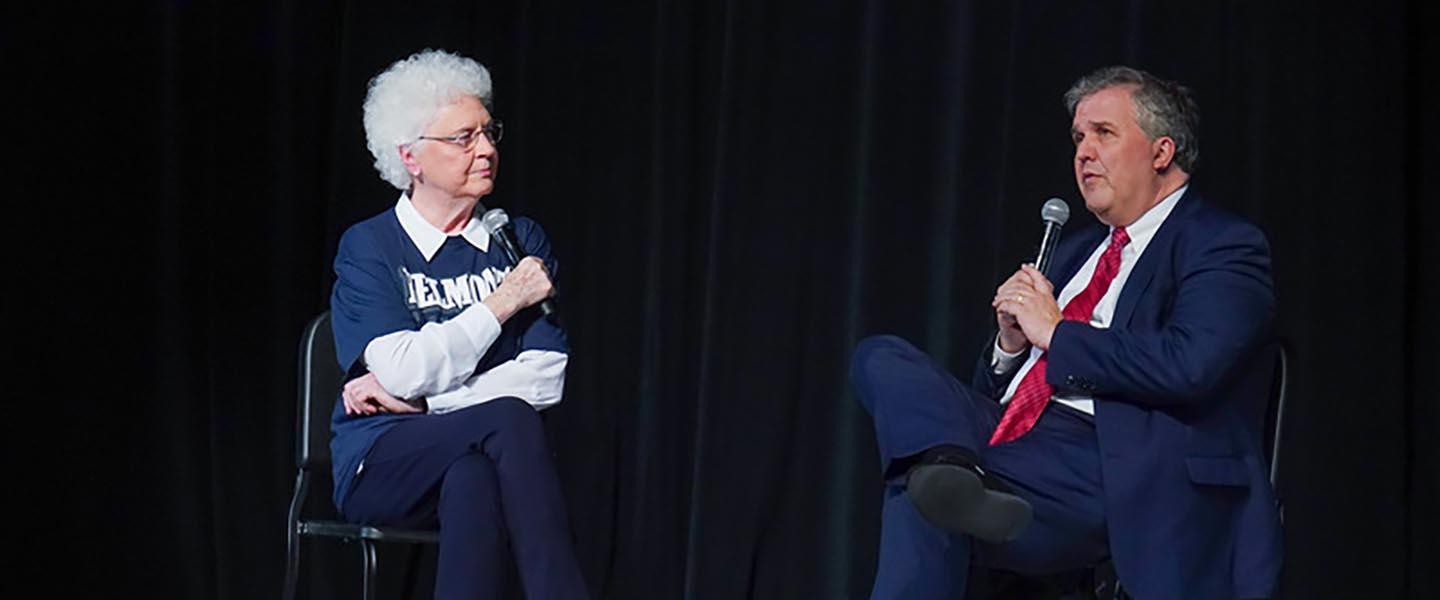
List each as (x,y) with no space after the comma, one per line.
(437,362)
(427,238)
(1141,232)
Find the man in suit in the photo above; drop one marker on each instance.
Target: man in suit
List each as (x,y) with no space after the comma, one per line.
(1115,415)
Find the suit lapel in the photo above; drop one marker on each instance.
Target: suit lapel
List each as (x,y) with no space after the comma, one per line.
(1144,271)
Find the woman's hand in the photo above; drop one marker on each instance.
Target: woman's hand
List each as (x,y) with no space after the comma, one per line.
(365,396)
(524,286)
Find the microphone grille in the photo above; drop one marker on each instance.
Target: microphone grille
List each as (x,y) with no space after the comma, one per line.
(1055,211)
(494,219)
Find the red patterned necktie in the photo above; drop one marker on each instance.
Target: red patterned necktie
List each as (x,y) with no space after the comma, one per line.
(1033,393)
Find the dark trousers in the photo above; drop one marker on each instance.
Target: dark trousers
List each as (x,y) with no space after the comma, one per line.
(1056,467)
(484,477)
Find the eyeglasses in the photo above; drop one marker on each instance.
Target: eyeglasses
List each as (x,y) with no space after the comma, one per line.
(493,131)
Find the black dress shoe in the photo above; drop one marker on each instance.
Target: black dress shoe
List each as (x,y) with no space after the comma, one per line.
(954,494)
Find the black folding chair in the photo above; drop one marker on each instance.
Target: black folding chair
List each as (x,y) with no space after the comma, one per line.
(320,379)
(1107,587)
(1101,581)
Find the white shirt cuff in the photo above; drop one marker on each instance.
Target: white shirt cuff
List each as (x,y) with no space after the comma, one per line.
(535,376)
(1002,362)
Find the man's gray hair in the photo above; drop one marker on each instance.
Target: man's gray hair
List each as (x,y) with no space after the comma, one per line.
(404,99)
(1162,108)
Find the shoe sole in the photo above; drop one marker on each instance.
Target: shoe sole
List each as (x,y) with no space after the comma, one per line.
(954,499)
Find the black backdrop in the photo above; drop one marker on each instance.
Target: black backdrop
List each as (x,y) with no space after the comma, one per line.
(738,190)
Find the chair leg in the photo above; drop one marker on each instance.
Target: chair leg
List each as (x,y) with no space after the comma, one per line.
(367,547)
(292,567)
(292,537)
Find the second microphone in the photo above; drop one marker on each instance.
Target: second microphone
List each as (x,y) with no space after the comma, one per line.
(497,223)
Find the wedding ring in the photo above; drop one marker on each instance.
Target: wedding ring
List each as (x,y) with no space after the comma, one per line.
(1020,298)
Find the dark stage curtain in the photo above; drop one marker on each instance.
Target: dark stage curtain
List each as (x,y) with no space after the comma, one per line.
(738,190)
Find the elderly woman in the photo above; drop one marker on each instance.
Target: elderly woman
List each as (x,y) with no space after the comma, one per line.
(448,358)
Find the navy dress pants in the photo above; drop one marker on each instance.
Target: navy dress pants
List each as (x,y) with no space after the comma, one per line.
(1056,467)
(484,477)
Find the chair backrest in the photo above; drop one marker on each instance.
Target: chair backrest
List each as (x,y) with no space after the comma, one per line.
(320,379)
(1275,412)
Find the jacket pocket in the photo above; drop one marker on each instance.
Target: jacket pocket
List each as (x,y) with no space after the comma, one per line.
(1217,470)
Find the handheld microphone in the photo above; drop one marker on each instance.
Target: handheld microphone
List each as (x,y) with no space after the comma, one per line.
(497,224)
(1055,213)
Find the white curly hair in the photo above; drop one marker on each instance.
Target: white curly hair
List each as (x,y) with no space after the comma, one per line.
(404,99)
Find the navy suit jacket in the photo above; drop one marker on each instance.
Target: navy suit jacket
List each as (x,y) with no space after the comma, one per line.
(1180,380)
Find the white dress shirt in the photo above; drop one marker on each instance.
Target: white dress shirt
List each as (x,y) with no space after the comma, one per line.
(437,362)
(1140,232)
